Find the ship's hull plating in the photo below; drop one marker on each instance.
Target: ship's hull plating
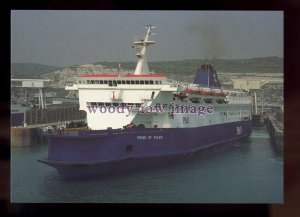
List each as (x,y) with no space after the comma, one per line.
(109,151)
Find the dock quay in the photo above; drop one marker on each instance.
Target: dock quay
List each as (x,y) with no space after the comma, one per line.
(275,128)
(29,131)
(26,136)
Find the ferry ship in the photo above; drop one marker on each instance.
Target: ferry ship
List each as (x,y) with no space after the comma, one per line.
(145,119)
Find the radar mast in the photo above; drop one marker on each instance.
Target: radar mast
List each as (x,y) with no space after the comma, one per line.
(140,45)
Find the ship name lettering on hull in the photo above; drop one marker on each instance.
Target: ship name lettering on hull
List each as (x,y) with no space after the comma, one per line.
(149,137)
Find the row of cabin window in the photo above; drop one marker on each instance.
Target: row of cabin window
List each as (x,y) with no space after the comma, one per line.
(114,83)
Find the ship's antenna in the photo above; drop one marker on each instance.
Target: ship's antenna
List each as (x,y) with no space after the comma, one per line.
(119,65)
(208,75)
(119,68)
(140,45)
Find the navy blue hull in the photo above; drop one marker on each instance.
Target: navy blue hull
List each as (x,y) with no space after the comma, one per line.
(108,151)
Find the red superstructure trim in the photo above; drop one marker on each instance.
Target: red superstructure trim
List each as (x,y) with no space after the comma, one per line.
(204,92)
(197,92)
(123,76)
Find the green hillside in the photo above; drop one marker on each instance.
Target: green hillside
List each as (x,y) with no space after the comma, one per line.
(30,70)
(188,67)
(175,69)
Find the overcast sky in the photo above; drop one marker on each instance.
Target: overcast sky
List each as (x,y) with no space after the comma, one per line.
(65,38)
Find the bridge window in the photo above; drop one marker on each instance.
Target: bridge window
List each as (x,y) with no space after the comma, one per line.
(101,81)
(137,82)
(88,81)
(171,115)
(156,82)
(146,82)
(100,104)
(96,82)
(127,82)
(151,82)
(105,82)
(119,82)
(132,82)
(123,82)
(108,104)
(185,120)
(152,96)
(142,82)
(114,83)
(115,104)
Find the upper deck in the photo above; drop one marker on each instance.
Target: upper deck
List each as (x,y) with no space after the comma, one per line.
(114,80)
(124,76)
(129,81)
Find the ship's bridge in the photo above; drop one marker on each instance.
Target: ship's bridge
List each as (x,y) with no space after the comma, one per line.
(129,81)
(113,90)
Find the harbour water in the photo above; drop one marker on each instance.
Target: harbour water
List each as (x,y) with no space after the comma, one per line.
(247,171)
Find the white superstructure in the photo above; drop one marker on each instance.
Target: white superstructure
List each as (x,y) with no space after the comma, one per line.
(151,100)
